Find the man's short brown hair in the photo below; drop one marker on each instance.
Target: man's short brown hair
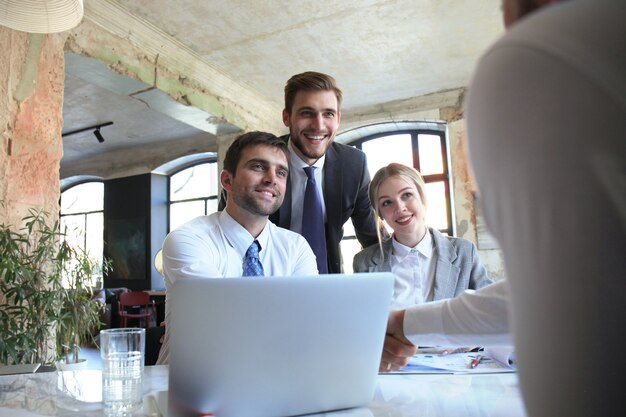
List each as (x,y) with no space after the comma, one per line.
(233,154)
(310,81)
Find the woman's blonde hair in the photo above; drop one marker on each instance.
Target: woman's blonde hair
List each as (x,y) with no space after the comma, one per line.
(394,169)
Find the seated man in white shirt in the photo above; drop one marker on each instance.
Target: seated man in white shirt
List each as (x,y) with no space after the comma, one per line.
(240,241)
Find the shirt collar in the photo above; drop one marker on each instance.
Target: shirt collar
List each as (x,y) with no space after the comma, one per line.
(238,237)
(424,247)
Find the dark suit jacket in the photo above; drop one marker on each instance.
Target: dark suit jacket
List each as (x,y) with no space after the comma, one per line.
(346,179)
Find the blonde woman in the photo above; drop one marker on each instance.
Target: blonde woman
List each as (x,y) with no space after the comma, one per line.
(428,265)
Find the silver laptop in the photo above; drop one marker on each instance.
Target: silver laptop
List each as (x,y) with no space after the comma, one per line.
(255,347)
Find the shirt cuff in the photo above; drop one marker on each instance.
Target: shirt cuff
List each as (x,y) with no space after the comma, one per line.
(423,324)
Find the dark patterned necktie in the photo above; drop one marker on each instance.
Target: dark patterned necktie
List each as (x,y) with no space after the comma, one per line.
(251,263)
(313,221)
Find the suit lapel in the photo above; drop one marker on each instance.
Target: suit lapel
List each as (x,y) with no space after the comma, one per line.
(382,263)
(333,188)
(446,274)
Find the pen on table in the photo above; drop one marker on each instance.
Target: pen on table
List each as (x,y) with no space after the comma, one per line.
(475,361)
(450,351)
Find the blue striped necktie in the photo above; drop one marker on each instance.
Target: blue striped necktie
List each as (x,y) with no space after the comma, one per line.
(313,221)
(251,263)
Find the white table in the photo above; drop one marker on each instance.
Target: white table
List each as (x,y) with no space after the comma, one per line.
(79,394)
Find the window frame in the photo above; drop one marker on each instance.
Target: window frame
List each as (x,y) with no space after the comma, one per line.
(444,177)
(84,214)
(205,199)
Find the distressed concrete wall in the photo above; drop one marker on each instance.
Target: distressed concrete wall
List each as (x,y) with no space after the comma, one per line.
(134,51)
(31,101)
(464,187)
(424,108)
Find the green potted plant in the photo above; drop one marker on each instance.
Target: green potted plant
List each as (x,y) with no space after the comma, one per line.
(79,318)
(46,305)
(30,290)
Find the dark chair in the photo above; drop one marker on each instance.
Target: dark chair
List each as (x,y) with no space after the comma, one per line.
(135,305)
(153,344)
(113,298)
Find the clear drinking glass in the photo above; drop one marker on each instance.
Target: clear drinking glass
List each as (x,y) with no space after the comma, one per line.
(122,352)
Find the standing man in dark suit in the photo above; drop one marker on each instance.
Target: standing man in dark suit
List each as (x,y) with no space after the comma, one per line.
(312,113)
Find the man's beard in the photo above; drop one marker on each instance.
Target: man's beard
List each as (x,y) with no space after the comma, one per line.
(251,204)
(298,144)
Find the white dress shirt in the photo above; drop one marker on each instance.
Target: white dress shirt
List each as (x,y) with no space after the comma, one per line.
(414,269)
(214,247)
(474,318)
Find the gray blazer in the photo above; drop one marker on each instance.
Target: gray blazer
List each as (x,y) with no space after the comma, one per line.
(458,266)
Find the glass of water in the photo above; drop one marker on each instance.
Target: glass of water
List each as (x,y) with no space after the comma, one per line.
(122,352)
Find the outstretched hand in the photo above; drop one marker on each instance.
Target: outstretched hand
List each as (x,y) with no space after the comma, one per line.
(397,349)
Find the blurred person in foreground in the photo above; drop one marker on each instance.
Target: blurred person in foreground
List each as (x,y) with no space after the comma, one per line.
(546,125)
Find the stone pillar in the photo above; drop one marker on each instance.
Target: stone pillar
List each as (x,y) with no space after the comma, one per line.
(464,187)
(31,102)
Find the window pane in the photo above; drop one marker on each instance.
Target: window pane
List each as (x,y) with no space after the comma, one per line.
(384,150)
(211,206)
(74,228)
(95,241)
(197,181)
(82,198)
(437,211)
(348,229)
(85,223)
(349,248)
(183,212)
(431,160)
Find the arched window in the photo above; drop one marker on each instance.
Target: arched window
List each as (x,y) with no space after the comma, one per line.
(424,148)
(82,217)
(193,192)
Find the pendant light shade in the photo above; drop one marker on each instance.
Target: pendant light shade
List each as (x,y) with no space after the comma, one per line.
(41,16)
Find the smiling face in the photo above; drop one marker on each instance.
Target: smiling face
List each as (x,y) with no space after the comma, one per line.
(400,205)
(258,188)
(313,121)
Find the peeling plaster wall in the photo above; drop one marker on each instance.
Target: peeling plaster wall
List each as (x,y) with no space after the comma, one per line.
(128,56)
(464,187)
(425,108)
(31,99)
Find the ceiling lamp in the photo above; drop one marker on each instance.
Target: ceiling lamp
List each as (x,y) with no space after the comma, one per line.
(96,131)
(98,135)
(41,16)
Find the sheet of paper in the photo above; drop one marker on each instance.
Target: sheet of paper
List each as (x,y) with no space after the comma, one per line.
(503,354)
(453,363)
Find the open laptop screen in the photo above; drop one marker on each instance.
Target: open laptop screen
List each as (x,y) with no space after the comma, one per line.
(276,346)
